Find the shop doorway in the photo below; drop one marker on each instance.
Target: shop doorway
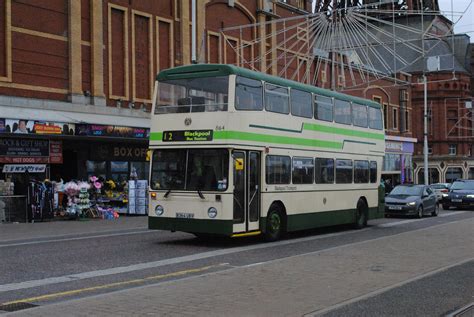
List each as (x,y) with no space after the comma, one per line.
(68,170)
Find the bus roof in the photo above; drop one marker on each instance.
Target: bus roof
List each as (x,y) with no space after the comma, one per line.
(215,70)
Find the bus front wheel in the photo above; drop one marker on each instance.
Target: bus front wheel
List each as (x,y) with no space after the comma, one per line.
(274,225)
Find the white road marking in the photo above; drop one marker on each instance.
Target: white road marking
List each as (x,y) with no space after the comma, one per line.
(397,223)
(75,238)
(452,213)
(189,258)
(155,264)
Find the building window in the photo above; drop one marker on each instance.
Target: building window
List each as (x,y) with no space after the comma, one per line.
(385,116)
(407,120)
(452,149)
(433,176)
(395,119)
(471,173)
(453,173)
(391,162)
(430,150)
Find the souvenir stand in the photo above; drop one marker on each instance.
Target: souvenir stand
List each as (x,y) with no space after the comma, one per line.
(40,201)
(137,197)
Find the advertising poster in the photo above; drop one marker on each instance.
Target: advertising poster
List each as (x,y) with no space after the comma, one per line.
(111,131)
(42,127)
(20,126)
(23,126)
(56,152)
(2,125)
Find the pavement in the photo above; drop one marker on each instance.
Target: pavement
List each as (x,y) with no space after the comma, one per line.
(310,284)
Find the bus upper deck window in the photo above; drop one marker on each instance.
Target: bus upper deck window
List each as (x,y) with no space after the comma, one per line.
(248,94)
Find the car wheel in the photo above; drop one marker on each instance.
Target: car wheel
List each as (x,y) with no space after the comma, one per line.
(274,226)
(435,211)
(420,212)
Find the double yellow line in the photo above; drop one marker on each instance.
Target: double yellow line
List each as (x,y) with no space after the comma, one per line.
(111,285)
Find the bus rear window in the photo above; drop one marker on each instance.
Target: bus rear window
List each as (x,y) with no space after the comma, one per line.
(192,95)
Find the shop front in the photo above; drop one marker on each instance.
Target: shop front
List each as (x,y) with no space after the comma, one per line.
(35,154)
(398,161)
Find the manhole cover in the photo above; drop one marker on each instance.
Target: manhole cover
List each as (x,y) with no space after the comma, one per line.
(16,306)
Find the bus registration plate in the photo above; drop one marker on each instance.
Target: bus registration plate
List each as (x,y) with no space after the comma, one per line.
(187,215)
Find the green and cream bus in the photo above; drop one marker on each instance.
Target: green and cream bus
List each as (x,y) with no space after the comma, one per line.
(237,153)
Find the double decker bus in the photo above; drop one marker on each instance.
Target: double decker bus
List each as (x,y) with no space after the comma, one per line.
(237,153)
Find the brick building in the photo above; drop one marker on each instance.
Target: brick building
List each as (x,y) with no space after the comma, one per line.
(77,76)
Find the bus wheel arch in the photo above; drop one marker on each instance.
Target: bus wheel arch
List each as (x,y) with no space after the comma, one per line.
(362,213)
(275,225)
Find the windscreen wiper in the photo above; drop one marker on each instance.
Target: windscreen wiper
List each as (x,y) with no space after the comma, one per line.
(200,194)
(167,193)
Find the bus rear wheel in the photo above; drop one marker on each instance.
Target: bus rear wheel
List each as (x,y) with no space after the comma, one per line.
(361,215)
(274,226)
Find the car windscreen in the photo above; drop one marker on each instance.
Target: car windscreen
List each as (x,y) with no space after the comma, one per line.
(462,186)
(407,190)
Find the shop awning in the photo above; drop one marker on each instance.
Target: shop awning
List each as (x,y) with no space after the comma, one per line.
(55,111)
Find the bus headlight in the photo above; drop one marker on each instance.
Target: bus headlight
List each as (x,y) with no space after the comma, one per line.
(212,212)
(159,210)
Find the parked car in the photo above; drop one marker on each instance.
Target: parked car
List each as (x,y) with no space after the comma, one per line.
(460,195)
(411,200)
(440,189)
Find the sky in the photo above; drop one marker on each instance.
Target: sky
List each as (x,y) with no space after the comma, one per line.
(466,24)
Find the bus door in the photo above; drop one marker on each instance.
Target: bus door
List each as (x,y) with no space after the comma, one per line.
(247,188)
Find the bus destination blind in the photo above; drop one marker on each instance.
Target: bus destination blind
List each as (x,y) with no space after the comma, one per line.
(187,135)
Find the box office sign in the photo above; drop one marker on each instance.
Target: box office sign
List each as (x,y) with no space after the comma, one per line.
(30,151)
(118,153)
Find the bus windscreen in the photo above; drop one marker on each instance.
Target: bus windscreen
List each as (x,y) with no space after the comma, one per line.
(192,95)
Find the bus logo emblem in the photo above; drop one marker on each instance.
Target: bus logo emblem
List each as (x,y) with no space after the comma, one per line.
(188,121)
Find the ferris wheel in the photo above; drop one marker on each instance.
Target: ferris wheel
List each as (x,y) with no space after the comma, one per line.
(347,44)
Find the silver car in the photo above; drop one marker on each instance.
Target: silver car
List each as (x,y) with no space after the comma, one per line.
(411,200)
(439,189)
